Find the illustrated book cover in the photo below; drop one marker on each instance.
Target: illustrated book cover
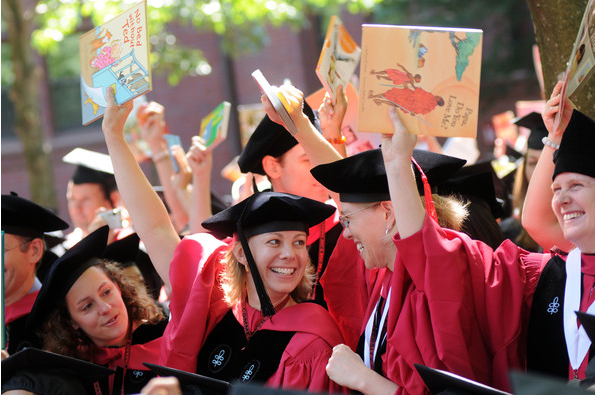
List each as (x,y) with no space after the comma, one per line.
(214,126)
(431,74)
(339,57)
(115,54)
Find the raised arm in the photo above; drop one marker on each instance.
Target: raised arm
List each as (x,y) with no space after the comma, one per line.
(149,216)
(331,116)
(200,161)
(181,181)
(152,130)
(538,217)
(397,150)
(318,149)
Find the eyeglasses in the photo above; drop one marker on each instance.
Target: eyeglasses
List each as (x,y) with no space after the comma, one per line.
(345,221)
(18,245)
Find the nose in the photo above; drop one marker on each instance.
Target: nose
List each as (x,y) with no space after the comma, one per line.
(563,196)
(346,233)
(104,308)
(287,251)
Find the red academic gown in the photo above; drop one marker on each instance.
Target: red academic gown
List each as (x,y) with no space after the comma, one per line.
(475,300)
(197,305)
(145,347)
(453,306)
(15,317)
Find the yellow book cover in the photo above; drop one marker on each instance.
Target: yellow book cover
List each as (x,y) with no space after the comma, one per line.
(115,54)
(431,74)
(338,59)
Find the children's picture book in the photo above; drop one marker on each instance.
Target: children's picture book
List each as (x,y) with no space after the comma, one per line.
(115,54)
(582,57)
(339,57)
(272,94)
(430,74)
(171,141)
(214,126)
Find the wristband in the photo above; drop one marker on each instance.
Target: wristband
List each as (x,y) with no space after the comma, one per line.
(550,143)
(160,156)
(337,140)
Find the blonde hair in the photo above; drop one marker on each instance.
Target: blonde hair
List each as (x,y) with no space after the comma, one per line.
(451,211)
(234,280)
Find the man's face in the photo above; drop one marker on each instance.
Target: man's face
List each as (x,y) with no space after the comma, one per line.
(83,202)
(296,177)
(18,267)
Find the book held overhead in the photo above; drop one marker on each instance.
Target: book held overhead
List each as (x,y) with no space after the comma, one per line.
(431,74)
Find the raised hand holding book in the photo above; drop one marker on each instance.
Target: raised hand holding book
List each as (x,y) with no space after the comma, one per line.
(275,98)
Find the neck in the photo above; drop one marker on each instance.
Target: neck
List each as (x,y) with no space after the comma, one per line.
(279,302)
(391,255)
(20,293)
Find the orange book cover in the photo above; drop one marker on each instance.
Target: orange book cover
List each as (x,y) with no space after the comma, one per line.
(431,74)
(339,57)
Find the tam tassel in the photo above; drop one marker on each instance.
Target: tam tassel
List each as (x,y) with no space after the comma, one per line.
(429,206)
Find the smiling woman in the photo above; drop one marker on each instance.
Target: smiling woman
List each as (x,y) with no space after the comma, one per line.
(89,309)
(236,311)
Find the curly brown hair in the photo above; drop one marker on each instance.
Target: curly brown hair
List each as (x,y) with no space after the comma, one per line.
(58,334)
(234,280)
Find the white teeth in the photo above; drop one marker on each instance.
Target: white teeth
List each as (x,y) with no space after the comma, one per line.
(360,247)
(572,215)
(286,271)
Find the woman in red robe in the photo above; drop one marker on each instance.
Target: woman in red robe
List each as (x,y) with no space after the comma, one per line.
(235,304)
(520,301)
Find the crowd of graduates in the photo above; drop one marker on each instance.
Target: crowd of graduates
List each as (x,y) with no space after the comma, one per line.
(351,273)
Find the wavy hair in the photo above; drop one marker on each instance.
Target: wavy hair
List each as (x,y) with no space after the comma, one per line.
(58,334)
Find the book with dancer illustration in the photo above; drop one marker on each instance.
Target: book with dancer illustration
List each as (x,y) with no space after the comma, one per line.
(115,54)
(431,74)
(339,57)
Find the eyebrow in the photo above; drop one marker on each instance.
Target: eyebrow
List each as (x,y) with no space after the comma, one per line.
(87,297)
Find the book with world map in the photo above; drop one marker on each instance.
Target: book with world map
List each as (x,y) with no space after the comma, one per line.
(430,74)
